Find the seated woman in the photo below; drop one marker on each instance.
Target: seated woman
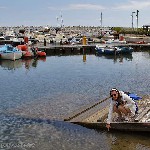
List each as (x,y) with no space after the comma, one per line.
(122,104)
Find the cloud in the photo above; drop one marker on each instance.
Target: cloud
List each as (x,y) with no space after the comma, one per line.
(134,5)
(86,6)
(79,7)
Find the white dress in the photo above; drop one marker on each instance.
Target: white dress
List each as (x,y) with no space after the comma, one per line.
(129,103)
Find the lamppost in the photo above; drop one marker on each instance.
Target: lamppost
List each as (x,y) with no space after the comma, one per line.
(101,21)
(132,19)
(137,15)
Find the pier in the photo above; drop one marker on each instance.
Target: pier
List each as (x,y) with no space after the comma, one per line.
(84,49)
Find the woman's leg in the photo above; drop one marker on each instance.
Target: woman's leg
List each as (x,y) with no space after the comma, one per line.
(124,110)
(117,111)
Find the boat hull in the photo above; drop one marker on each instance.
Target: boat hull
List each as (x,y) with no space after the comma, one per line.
(119,126)
(11,56)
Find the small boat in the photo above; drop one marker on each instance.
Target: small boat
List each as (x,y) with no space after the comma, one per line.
(113,50)
(9,52)
(27,53)
(123,49)
(105,50)
(39,53)
(95,116)
(116,41)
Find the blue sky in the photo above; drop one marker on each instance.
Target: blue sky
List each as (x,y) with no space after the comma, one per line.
(73,12)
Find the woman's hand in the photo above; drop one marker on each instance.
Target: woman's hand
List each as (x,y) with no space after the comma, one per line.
(108,126)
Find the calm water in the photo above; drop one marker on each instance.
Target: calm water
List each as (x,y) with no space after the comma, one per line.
(36,94)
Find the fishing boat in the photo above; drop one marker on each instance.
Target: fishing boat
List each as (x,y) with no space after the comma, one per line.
(95,116)
(9,52)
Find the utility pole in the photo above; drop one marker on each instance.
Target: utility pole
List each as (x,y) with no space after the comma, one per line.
(137,15)
(132,19)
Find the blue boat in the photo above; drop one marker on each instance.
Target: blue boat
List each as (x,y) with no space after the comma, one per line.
(104,50)
(9,52)
(113,50)
(124,49)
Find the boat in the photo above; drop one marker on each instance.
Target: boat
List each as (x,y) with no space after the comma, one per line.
(9,52)
(115,41)
(38,52)
(95,116)
(123,49)
(27,52)
(113,50)
(105,50)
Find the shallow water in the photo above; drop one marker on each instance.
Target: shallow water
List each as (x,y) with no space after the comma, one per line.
(36,94)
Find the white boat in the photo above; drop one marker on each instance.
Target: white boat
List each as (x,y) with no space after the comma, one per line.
(9,52)
(117,41)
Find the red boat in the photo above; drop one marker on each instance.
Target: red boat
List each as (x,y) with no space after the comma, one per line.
(26,52)
(40,53)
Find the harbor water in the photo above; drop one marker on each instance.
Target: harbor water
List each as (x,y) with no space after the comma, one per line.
(36,94)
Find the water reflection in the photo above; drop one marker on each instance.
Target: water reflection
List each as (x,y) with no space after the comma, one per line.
(11,65)
(84,55)
(128,140)
(27,63)
(118,58)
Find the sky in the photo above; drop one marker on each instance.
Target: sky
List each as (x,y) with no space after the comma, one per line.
(74,12)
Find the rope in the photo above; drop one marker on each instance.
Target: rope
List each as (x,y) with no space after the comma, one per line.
(83,111)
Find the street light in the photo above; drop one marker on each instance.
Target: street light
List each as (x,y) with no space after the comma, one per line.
(137,15)
(101,19)
(132,19)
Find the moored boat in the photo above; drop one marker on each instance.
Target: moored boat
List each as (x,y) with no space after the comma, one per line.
(9,52)
(124,49)
(27,53)
(39,53)
(95,117)
(105,50)
(113,50)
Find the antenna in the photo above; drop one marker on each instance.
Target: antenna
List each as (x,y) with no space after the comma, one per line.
(60,20)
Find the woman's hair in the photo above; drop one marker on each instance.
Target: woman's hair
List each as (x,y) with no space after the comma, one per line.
(119,96)
(114,89)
